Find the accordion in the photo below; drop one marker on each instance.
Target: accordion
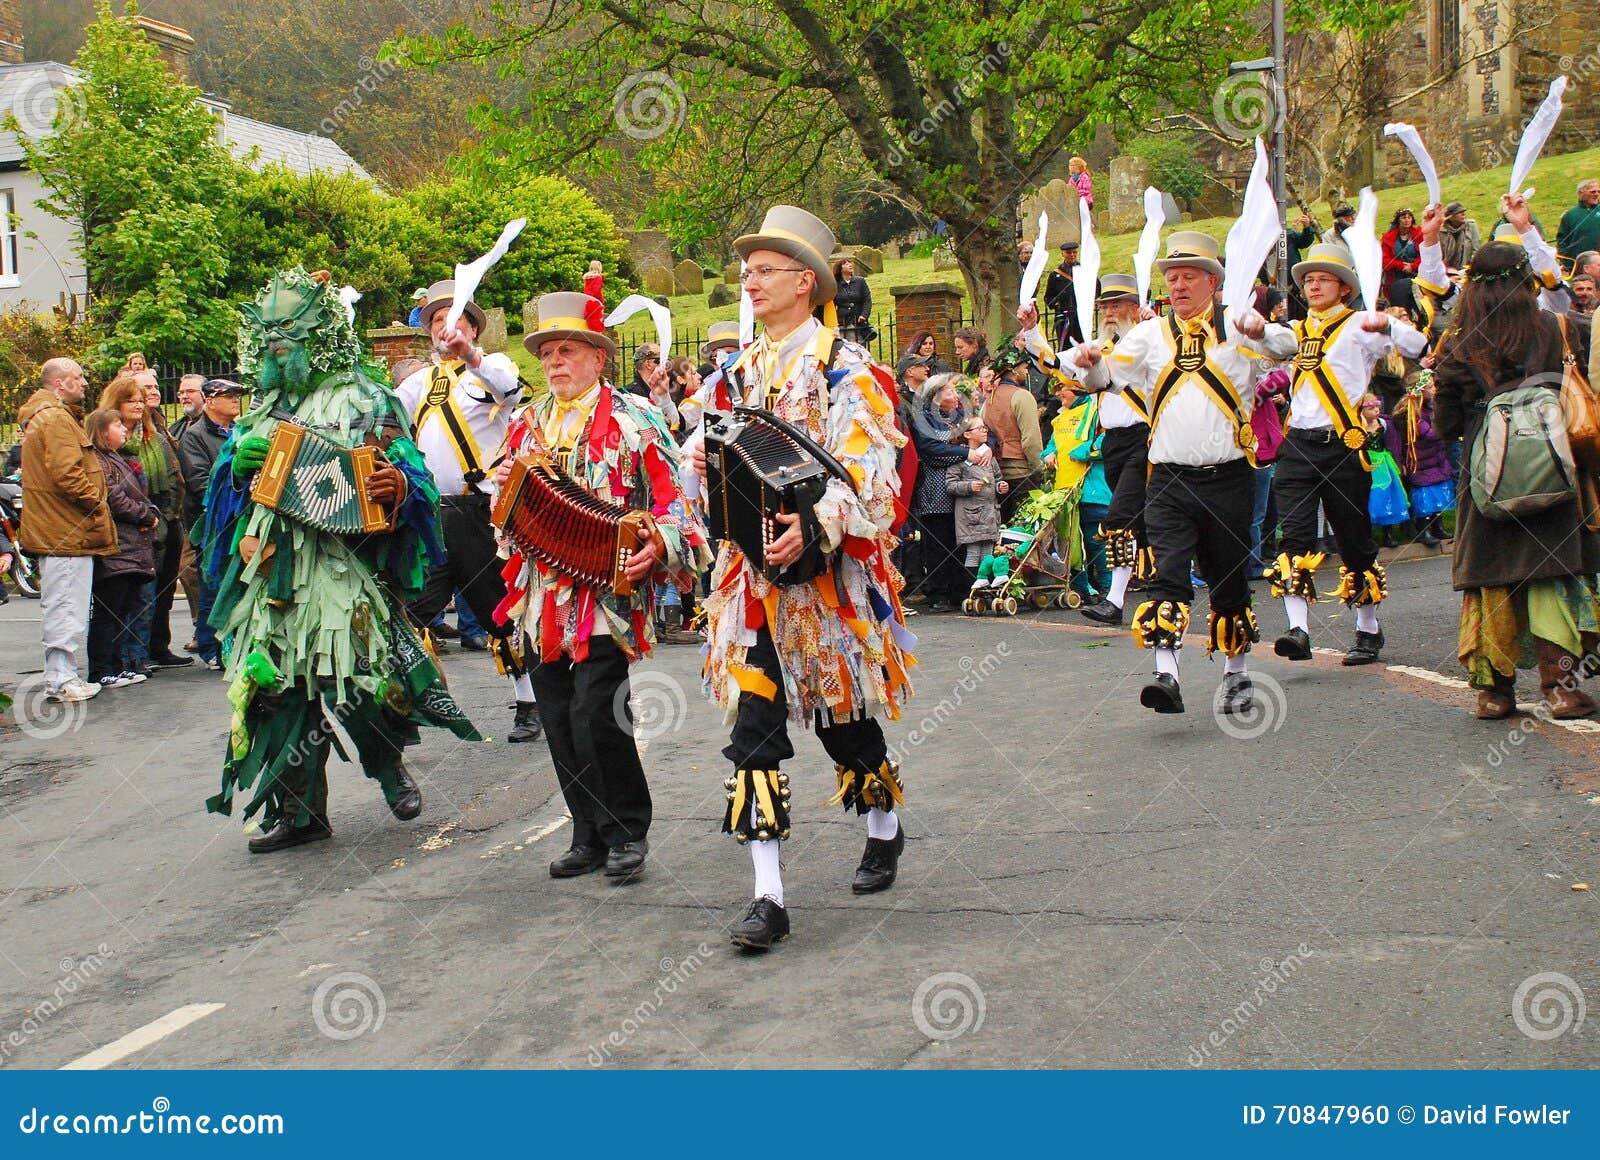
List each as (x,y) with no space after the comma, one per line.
(314,481)
(551,518)
(758,465)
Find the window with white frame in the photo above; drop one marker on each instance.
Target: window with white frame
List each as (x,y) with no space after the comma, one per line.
(8,238)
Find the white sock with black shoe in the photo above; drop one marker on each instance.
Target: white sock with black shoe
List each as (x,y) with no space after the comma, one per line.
(1167,661)
(1367,618)
(882,824)
(769,873)
(1120,579)
(524,687)
(1234,664)
(1299,612)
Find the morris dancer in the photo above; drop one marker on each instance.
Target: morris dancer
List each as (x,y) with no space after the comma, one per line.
(1322,461)
(832,653)
(1198,368)
(317,644)
(618,447)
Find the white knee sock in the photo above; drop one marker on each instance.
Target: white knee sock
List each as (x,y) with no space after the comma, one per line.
(882,824)
(769,876)
(1299,612)
(524,686)
(1234,664)
(1367,618)
(1119,585)
(1167,662)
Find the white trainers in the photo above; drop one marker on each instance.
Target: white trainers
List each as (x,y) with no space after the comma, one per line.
(74,690)
(129,677)
(114,680)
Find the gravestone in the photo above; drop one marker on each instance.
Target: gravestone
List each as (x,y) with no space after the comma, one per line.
(689,277)
(722,295)
(493,338)
(1059,199)
(648,249)
(530,316)
(944,258)
(659,280)
(868,259)
(730,273)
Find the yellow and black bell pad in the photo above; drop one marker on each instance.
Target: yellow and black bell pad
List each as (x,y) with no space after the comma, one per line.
(1367,586)
(1122,547)
(507,655)
(769,790)
(1232,634)
(1296,576)
(882,787)
(1160,624)
(1144,568)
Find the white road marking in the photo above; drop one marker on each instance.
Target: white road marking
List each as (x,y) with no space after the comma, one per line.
(1528,707)
(532,835)
(143,1037)
(315,969)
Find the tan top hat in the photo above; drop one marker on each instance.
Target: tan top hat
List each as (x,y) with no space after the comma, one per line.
(1115,286)
(791,230)
(440,296)
(566,314)
(720,336)
(1330,258)
(1192,248)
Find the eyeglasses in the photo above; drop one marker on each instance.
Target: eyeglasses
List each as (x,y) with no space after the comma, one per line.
(762,273)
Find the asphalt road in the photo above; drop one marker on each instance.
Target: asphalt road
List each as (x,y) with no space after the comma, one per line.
(1363,877)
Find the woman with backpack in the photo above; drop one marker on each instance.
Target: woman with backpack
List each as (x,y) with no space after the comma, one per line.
(1528,583)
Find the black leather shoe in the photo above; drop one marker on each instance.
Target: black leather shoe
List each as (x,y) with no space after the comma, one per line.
(762,925)
(1365,650)
(1238,693)
(627,860)
(1295,645)
(1102,611)
(170,660)
(408,803)
(527,726)
(578,861)
(879,863)
(1162,694)
(284,835)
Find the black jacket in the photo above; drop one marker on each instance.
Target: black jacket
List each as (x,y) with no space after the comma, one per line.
(197,454)
(854,302)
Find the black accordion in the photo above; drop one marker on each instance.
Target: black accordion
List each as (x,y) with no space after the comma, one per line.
(757,466)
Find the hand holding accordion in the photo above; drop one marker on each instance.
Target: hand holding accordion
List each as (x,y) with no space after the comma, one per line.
(552,518)
(309,478)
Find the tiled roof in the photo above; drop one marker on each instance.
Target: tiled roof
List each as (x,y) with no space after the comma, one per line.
(31,92)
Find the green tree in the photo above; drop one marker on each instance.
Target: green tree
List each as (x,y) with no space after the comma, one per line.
(1174,165)
(133,160)
(957,110)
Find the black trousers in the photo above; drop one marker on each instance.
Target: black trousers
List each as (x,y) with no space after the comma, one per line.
(169,560)
(1201,515)
(471,565)
(1311,471)
(760,737)
(1122,455)
(589,725)
(112,620)
(944,560)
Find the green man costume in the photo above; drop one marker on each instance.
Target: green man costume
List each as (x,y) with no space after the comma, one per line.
(316,643)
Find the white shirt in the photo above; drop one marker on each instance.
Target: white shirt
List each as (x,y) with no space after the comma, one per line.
(1116,413)
(1349,360)
(485,396)
(1432,272)
(1191,430)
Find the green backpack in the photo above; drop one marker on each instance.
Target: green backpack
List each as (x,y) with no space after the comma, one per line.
(1521,459)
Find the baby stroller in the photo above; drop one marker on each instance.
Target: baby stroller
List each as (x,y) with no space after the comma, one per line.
(1040,558)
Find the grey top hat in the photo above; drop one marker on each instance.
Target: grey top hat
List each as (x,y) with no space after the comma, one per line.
(566,314)
(720,336)
(1115,286)
(1330,258)
(1192,248)
(790,230)
(439,297)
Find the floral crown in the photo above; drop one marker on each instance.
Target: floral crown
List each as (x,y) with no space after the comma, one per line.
(1521,269)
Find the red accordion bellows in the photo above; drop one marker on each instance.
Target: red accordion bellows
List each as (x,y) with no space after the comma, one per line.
(551,518)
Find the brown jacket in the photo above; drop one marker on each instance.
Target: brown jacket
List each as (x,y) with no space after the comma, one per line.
(63,484)
(1012,416)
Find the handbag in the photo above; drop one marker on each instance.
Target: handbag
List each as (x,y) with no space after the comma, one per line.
(1579,407)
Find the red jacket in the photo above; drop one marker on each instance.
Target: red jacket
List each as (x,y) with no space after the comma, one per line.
(1394,267)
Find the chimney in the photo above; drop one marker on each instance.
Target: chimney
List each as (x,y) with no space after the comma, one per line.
(175,45)
(10,31)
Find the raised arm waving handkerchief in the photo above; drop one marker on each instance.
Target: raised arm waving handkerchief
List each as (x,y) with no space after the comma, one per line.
(1412,140)
(470,275)
(1252,237)
(1155,216)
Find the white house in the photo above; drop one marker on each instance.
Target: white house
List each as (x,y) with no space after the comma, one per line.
(41,261)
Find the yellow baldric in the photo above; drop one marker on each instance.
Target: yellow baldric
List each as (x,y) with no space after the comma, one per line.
(1311,370)
(440,400)
(1192,363)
